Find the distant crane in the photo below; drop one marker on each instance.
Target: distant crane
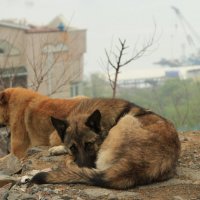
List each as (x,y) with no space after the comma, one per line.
(193,40)
(187,28)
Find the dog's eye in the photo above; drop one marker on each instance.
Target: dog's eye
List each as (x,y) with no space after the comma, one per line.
(88,146)
(73,148)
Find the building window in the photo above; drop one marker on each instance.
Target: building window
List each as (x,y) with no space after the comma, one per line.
(75,89)
(13,77)
(7,48)
(2,51)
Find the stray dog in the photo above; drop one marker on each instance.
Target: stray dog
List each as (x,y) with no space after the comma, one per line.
(116,144)
(28,115)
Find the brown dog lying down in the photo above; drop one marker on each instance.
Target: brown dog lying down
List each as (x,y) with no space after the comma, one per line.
(114,143)
(28,115)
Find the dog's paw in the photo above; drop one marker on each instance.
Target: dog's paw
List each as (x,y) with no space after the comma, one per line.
(58,150)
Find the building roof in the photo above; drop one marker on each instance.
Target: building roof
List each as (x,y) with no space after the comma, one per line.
(58,24)
(13,24)
(42,29)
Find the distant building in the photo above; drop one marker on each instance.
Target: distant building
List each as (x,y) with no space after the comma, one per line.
(47,58)
(183,72)
(152,77)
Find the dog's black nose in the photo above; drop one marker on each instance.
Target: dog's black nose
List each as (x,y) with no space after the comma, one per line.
(2,125)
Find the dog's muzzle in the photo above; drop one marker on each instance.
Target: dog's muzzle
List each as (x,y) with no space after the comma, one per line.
(2,125)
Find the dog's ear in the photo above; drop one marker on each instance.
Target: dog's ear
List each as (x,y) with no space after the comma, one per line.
(3,98)
(94,120)
(60,126)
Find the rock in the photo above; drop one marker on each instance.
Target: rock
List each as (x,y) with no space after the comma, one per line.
(177,198)
(66,198)
(4,190)
(170,182)
(57,198)
(34,150)
(48,191)
(40,160)
(79,198)
(4,142)
(4,180)
(183,139)
(128,195)
(112,197)
(189,173)
(20,195)
(62,198)
(95,193)
(10,165)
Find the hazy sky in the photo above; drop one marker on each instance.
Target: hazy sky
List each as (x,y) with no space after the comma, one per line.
(108,20)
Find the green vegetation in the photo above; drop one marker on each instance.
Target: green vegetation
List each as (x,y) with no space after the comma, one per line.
(177,100)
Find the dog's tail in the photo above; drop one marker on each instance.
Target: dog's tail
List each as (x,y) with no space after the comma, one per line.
(72,175)
(109,178)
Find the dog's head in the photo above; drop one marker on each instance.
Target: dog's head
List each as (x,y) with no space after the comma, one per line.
(3,108)
(81,135)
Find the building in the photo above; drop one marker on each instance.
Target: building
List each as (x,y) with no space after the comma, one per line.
(48,58)
(183,72)
(143,78)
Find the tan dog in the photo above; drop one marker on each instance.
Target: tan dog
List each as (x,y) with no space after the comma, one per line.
(116,144)
(28,115)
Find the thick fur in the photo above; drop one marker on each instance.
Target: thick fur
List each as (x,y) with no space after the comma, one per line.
(131,146)
(28,115)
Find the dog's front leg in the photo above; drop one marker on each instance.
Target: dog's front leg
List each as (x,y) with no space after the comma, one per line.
(20,141)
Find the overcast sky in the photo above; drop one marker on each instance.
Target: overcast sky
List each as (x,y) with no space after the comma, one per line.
(108,20)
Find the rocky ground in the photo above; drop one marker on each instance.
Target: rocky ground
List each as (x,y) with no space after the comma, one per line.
(184,186)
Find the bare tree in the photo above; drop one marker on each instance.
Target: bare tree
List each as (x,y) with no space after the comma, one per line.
(43,66)
(116,61)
